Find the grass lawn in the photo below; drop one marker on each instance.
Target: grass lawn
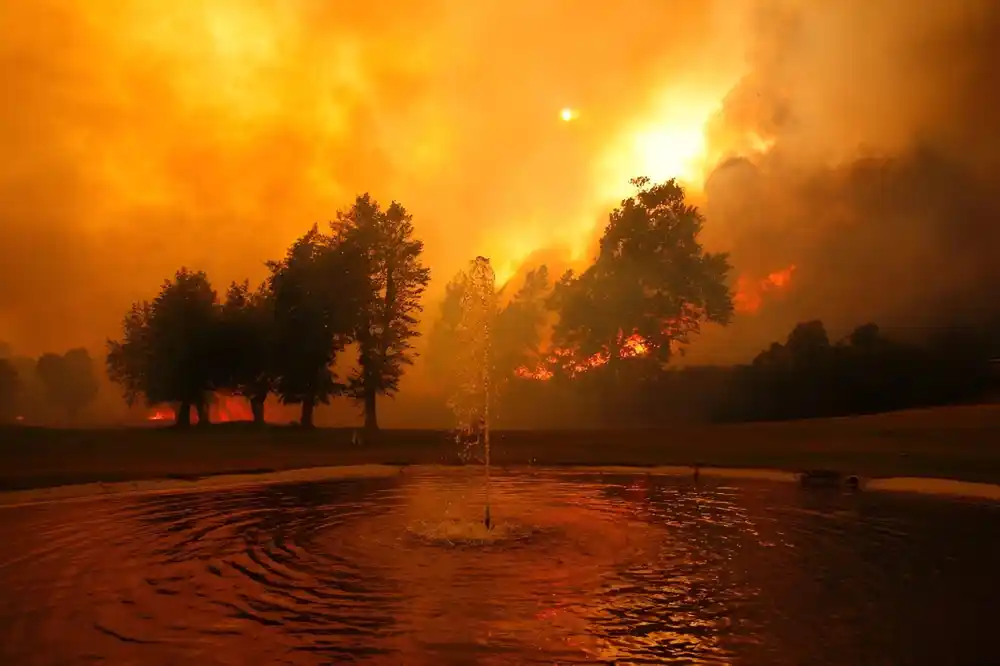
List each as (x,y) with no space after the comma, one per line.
(960,443)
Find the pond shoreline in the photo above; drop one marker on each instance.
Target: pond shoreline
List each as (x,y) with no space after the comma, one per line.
(229,481)
(954,444)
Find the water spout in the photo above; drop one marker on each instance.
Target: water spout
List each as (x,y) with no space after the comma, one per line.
(473,388)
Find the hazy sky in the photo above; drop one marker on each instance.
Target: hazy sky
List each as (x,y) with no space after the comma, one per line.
(141,135)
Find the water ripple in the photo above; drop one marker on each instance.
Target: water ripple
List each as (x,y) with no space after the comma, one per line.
(577,570)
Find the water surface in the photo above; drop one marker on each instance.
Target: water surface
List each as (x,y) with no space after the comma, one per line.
(581,569)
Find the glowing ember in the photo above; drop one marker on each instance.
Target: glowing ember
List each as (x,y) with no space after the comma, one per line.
(750,295)
(634,346)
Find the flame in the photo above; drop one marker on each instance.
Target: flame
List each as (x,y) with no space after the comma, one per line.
(629,347)
(225,409)
(229,408)
(750,294)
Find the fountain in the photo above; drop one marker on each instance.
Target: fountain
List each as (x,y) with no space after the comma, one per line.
(472,391)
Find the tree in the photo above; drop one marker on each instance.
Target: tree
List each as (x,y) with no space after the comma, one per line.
(518,330)
(515,329)
(247,345)
(397,279)
(169,350)
(651,278)
(441,356)
(69,380)
(808,344)
(10,387)
(128,362)
(318,291)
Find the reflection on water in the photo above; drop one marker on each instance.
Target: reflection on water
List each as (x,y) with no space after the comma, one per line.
(580,569)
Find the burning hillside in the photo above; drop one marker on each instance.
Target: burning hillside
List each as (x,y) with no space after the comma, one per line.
(748,298)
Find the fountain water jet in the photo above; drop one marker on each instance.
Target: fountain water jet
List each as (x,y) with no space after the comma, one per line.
(472,395)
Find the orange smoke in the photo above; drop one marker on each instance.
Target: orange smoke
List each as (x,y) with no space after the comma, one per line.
(225,409)
(750,294)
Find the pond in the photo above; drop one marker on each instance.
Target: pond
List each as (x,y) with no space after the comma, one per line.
(579,568)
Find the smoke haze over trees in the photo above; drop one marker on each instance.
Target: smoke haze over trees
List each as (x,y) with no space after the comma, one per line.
(857,141)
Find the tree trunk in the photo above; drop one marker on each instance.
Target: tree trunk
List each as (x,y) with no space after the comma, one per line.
(308,406)
(371,417)
(204,418)
(182,415)
(257,408)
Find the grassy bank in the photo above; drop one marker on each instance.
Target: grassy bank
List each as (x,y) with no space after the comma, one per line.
(956,442)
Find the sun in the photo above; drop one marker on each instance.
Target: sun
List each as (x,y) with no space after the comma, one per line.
(567,114)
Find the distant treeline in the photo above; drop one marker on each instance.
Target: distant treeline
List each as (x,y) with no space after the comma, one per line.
(32,389)
(806,376)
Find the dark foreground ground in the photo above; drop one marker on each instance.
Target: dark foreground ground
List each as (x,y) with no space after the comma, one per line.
(957,442)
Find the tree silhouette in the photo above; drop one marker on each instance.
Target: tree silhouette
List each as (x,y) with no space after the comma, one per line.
(517,333)
(441,355)
(397,279)
(652,278)
(247,339)
(128,362)
(319,289)
(10,386)
(169,349)
(69,380)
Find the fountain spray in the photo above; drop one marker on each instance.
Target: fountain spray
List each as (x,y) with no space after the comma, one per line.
(487,292)
(473,391)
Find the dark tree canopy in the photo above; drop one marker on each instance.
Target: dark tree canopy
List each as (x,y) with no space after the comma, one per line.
(397,279)
(652,278)
(517,333)
(128,362)
(319,290)
(247,341)
(69,380)
(168,352)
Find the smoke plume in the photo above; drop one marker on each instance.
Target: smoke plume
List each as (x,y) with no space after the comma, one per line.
(855,139)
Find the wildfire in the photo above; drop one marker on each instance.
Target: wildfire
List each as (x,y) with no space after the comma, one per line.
(750,294)
(225,409)
(632,346)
